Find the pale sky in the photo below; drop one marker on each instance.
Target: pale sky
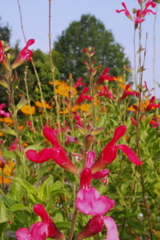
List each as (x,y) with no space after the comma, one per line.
(35,23)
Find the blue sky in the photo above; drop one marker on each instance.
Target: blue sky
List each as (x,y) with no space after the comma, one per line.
(35,23)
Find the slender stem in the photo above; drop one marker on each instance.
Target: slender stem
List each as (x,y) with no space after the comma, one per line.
(73,224)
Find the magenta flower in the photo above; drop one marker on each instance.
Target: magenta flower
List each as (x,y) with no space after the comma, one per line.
(3,59)
(40,230)
(134,122)
(94,226)
(125,10)
(57,153)
(112,232)
(79,83)
(24,54)
(2,112)
(88,199)
(105,91)
(127,92)
(82,97)
(105,76)
(152,105)
(109,152)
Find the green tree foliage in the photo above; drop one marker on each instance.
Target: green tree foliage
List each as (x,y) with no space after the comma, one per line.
(79,35)
(42,64)
(5,32)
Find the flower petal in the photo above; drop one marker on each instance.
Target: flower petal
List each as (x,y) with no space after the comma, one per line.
(89,201)
(130,154)
(112,232)
(40,157)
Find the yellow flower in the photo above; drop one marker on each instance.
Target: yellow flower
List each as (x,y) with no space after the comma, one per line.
(42,105)
(21,127)
(57,83)
(143,106)
(67,110)
(65,90)
(7,120)
(119,79)
(123,86)
(7,170)
(84,107)
(1,134)
(28,109)
(96,101)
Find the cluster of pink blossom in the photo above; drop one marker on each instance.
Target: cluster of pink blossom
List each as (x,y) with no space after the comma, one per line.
(88,199)
(139,13)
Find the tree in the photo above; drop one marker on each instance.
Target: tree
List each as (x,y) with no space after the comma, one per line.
(5,32)
(84,33)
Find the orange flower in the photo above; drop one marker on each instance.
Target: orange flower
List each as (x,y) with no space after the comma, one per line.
(85,107)
(42,105)
(65,90)
(119,79)
(21,127)
(1,134)
(67,110)
(7,120)
(57,83)
(26,109)
(7,170)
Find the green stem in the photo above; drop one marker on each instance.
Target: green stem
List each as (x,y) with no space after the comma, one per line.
(73,224)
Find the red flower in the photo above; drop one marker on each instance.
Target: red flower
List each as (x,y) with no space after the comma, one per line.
(2,112)
(94,226)
(24,54)
(127,92)
(79,83)
(3,59)
(88,199)
(109,152)
(105,91)
(57,153)
(125,10)
(40,230)
(83,96)
(105,76)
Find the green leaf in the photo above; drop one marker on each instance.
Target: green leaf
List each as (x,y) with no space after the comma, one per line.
(22,102)
(43,192)
(31,192)
(8,130)
(63,225)
(16,192)
(16,207)
(9,154)
(4,83)
(3,213)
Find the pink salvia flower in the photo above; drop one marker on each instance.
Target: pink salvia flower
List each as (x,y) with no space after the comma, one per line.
(79,83)
(127,92)
(24,54)
(109,152)
(88,199)
(57,153)
(134,122)
(105,76)
(125,10)
(82,97)
(112,232)
(3,59)
(105,91)
(2,112)
(40,230)
(94,226)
